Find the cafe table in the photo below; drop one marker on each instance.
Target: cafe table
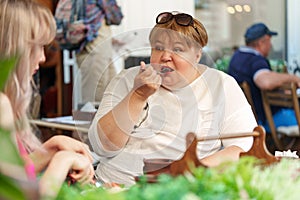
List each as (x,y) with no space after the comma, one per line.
(66,123)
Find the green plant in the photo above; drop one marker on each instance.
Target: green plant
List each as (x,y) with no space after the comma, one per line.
(223,63)
(8,149)
(9,189)
(245,179)
(278,65)
(6,66)
(9,154)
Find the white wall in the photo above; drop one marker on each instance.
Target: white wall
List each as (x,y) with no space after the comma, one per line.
(142,13)
(226,30)
(293,37)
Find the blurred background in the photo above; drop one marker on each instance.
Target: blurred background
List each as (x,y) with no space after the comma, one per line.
(225,21)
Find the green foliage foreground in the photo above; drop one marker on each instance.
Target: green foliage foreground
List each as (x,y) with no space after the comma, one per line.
(6,66)
(240,180)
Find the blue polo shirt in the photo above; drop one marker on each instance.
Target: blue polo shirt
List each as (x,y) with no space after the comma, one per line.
(243,66)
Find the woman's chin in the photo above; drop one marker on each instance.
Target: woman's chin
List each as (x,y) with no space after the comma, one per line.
(170,85)
(167,84)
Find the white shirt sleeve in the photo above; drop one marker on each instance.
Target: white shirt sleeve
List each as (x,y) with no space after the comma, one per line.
(122,83)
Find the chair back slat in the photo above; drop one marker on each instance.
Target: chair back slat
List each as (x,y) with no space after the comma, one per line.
(281,102)
(284,96)
(247,91)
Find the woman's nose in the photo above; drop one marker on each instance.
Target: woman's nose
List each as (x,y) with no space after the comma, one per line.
(167,55)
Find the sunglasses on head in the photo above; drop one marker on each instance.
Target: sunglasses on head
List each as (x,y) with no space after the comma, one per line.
(181,19)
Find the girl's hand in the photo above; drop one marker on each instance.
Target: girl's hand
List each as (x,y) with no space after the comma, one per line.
(42,156)
(59,168)
(147,81)
(61,142)
(81,170)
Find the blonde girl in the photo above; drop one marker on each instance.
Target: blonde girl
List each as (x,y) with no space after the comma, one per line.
(25,28)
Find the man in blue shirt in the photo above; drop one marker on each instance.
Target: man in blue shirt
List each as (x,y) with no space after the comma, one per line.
(249,63)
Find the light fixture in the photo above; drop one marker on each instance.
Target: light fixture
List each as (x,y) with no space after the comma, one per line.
(238,8)
(247,8)
(230,10)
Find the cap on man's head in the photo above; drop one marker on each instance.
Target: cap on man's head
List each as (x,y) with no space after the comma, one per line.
(257,31)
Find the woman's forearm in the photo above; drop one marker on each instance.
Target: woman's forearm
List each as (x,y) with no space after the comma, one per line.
(231,153)
(115,127)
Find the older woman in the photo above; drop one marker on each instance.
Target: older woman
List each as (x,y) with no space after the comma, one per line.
(148,110)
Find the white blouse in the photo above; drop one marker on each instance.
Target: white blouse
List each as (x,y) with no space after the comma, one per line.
(213,104)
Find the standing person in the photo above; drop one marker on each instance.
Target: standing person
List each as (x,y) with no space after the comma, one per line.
(148,110)
(96,59)
(25,28)
(250,63)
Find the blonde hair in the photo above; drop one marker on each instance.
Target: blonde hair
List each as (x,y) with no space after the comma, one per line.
(192,36)
(23,25)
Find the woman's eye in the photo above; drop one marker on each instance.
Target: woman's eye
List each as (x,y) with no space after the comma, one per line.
(177,50)
(159,48)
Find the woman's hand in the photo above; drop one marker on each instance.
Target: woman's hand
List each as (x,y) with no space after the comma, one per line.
(146,82)
(126,114)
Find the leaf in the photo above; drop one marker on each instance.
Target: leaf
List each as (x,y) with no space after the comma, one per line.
(9,189)
(8,149)
(6,66)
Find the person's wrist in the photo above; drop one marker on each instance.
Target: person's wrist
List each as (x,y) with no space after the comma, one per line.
(138,98)
(65,156)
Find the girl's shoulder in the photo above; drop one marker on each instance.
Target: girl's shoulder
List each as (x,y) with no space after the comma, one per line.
(6,113)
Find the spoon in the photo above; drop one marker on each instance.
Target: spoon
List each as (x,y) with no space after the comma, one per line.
(163,70)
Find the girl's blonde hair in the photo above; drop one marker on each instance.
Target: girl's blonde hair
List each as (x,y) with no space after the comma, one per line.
(23,25)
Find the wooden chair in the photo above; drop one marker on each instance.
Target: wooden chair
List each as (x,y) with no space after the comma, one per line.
(247,91)
(154,167)
(284,96)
